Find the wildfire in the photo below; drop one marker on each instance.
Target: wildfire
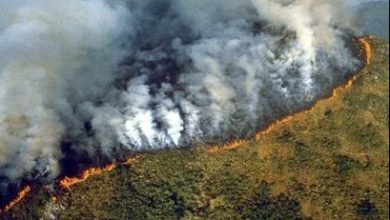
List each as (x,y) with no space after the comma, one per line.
(273,126)
(367,52)
(17,199)
(131,160)
(67,182)
(367,48)
(227,146)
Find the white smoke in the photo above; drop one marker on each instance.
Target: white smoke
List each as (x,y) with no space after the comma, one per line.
(52,56)
(136,75)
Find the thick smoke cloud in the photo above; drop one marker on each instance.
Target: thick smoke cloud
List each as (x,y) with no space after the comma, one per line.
(101,79)
(53,56)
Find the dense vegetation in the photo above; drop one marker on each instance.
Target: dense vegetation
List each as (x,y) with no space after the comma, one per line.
(327,163)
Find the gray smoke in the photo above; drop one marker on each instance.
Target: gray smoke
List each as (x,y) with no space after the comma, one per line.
(113,77)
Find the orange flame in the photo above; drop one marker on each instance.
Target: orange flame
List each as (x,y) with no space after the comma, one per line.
(67,182)
(131,160)
(17,199)
(366,49)
(227,146)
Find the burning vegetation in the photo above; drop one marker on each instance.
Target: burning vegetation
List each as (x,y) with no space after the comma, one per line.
(66,182)
(191,74)
(366,53)
(306,168)
(16,200)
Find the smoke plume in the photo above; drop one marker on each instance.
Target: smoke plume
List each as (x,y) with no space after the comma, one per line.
(91,80)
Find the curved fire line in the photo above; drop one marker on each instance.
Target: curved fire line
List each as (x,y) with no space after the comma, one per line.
(366,51)
(67,182)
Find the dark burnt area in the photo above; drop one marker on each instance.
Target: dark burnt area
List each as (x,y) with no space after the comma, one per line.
(8,190)
(73,161)
(367,209)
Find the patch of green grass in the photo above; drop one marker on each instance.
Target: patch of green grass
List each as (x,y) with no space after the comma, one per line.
(344,165)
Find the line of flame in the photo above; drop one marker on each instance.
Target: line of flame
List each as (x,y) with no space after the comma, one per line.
(67,182)
(16,200)
(367,49)
(367,52)
(227,146)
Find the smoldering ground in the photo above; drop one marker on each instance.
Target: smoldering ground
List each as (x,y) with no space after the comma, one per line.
(94,80)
